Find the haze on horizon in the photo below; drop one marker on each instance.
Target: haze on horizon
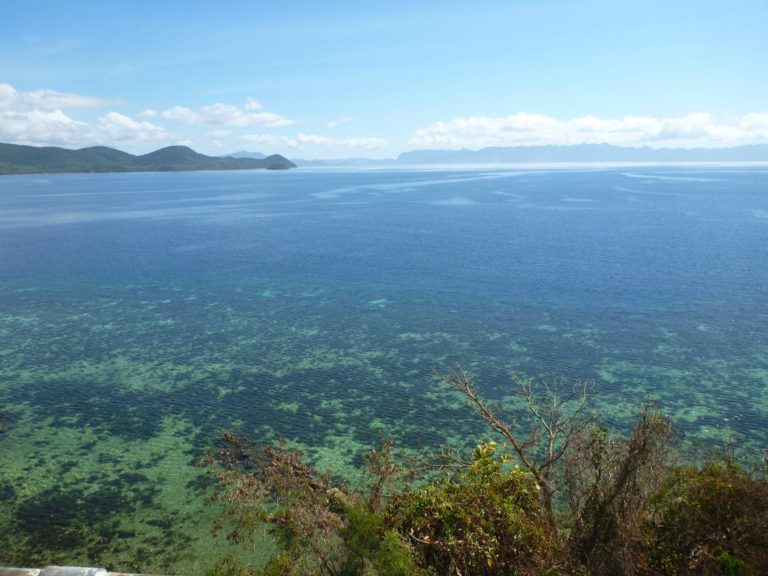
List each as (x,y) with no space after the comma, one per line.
(341,79)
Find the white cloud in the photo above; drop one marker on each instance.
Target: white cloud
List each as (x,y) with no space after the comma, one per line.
(220,133)
(42,127)
(251,104)
(701,129)
(38,118)
(363,143)
(181,114)
(12,99)
(271,140)
(55,128)
(115,127)
(271,120)
(148,113)
(228,115)
(754,122)
(302,140)
(334,123)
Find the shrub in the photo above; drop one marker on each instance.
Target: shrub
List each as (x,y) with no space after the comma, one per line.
(320,527)
(373,548)
(607,484)
(712,520)
(579,500)
(487,520)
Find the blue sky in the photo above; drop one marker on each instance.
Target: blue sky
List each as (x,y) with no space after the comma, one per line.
(340,79)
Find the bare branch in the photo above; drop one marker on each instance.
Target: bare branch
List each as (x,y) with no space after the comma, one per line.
(555,421)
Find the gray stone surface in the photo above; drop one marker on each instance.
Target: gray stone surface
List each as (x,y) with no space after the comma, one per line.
(62,571)
(72,571)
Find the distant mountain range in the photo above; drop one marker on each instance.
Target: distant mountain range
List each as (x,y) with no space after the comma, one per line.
(586,153)
(16,159)
(575,153)
(245,154)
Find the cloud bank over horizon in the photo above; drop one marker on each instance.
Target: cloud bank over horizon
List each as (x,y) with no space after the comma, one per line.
(12,99)
(219,114)
(523,129)
(48,117)
(44,118)
(301,141)
(38,118)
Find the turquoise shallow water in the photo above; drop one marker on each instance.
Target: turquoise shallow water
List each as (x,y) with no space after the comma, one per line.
(143,314)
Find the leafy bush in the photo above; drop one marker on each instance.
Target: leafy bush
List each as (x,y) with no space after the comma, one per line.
(373,548)
(712,520)
(608,481)
(320,527)
(568,498)
(487,520)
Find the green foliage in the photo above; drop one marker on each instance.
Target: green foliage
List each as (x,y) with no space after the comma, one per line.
(730,566)
(229,567)
(486,520)
(608,481)
(591,503)
(373,548)
(320,527)
(712,520)
(557,415)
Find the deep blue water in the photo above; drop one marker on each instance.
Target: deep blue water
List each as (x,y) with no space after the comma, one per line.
(630,238)
(145,309)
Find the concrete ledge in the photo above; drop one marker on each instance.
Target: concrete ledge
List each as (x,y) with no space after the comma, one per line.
(62,571)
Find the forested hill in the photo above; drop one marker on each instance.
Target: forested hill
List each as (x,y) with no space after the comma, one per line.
(16,159)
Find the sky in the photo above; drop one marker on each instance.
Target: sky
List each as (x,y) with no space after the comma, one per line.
(341,79)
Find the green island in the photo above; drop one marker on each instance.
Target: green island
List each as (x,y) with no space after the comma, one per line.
(18,159)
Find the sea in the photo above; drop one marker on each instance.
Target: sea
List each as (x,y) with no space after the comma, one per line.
(144,315)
